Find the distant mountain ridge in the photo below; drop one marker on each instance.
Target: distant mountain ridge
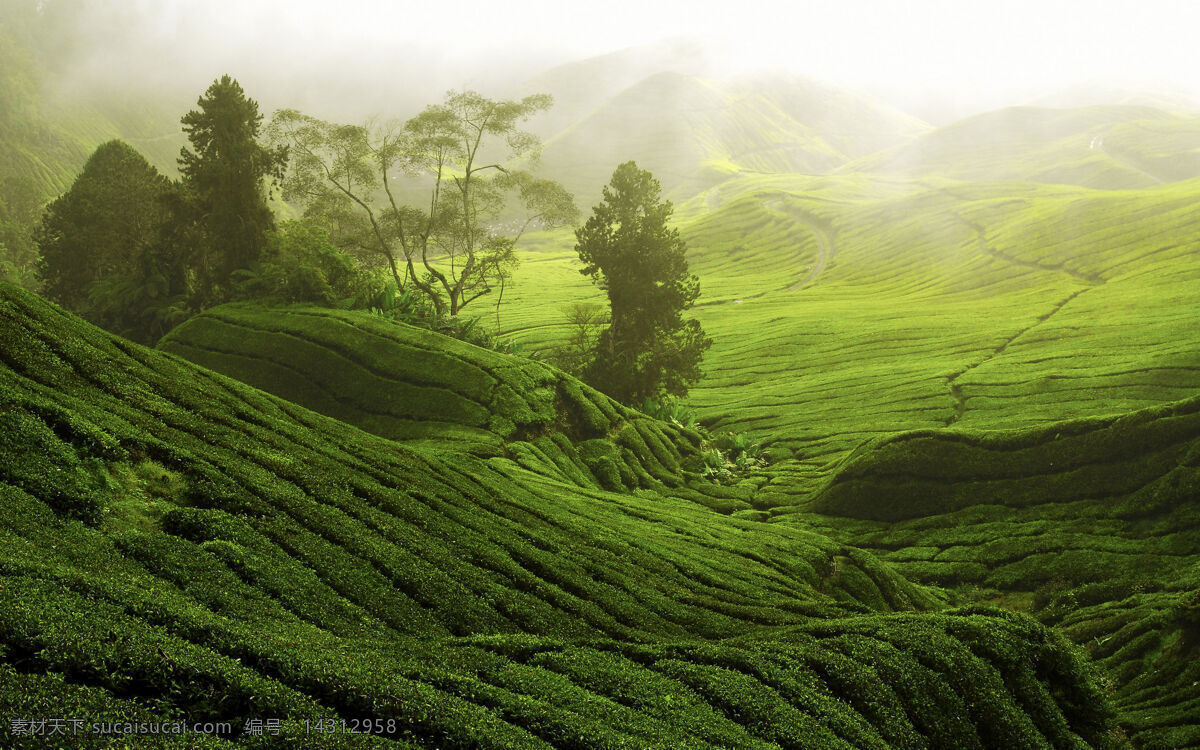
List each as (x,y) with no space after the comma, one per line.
(1107,147)
(692,133)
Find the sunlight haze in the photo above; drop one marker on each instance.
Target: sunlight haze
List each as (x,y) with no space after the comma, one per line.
(972,55)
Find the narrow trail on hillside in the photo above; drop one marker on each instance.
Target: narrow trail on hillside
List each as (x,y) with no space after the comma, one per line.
(986,249)
(1097,144)
(713,199)
(1092,280)
(825,248)
(960,401)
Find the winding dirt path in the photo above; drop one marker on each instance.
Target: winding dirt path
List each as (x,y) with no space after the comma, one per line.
(960,401)
(1097,144)
(956,393)
(825,248)
(986,249)
(713,199)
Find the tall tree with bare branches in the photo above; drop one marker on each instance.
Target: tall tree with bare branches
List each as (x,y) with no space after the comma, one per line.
(449,243)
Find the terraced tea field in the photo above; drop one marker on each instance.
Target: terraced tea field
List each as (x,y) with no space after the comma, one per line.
(971,354)
(936,304)
(991,385)
(171,532)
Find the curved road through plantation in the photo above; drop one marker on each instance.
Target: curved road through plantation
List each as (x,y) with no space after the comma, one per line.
(825,247)
(1097,144)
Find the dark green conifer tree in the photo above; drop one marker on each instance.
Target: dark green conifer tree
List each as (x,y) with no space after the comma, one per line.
(629,251)
(101,227)
(224,174)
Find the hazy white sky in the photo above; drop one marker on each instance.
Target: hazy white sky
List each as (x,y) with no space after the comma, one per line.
(916,45)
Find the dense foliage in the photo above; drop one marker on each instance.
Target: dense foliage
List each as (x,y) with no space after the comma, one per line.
(449,243)
(136,253)
(300,264)
(628,249)
(223,176)
(101,228)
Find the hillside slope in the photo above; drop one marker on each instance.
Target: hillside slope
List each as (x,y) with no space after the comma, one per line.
(693,133)
(580,86)
(991,385)
(177,545)
(844,307)
(410,384)
(46,134)
(1094,525)
(1109,147)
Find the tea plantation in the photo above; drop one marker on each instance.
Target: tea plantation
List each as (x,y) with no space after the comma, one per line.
(1091,524)
(991,385)
(178,545)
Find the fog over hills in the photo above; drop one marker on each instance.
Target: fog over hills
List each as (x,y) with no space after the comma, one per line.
(935,481)
(139,64)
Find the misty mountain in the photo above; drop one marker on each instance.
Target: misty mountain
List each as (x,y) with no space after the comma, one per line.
(581,86)
(1106,147)
(693,133)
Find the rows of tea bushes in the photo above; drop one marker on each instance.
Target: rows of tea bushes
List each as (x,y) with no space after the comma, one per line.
(987,305)
(1091,525)
(176,544)
(416,386)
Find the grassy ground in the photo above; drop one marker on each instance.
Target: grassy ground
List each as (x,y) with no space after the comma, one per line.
(972,358)
(1020,303)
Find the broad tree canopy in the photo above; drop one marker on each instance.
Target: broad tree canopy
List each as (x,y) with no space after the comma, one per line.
(447,241)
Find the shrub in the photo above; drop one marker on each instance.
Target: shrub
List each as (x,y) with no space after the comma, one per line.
(301,264)
(670,409)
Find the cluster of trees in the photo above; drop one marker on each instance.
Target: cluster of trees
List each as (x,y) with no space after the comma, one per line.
(135,252)
(353,180)
(431,206)
(419,197)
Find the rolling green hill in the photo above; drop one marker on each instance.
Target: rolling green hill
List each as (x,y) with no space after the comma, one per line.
(1034,484)
(579,87)
(970,353)
(181,546)
(1092,524)
(693,133)
(1022,304)
(409,384)
(991,385)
